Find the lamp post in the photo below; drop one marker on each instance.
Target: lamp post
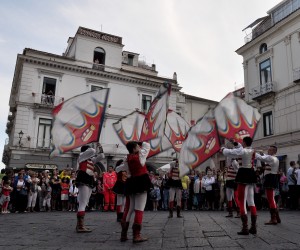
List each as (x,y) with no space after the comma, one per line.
(20,137)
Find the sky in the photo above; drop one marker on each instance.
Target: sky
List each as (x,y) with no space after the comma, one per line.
(197,39)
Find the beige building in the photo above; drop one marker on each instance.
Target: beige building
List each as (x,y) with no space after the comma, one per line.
(271,61)
(92,60)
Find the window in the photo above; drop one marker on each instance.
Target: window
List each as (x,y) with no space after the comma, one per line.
(130,60)
(263,48)
(265,72)
(99,56)
(95,88)
(44,133)
(48,92)
(146,101)
(268,123)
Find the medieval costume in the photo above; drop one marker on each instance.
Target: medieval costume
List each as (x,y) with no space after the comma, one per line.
(245,179)
(136,188)
(119,190)
(271,181)
(175,185)
(85,181)
(231,186)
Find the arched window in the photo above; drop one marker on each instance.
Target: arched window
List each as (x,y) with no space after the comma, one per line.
(99,56)
(263,48)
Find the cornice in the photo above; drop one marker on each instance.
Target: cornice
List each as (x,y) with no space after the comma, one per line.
(91,72)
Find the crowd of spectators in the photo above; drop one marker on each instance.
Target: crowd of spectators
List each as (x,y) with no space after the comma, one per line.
(31,191)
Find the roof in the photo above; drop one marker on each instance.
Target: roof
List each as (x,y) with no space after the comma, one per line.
(196,98)
(99,35)
(47,54)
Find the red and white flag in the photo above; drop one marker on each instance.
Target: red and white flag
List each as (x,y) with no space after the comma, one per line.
(78,121)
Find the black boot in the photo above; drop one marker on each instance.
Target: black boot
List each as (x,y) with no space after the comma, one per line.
(273,220)
(170,213)
(80,228)
(137,238)
(119,217)
(125,226)
(238,215)
(230,214)
(244,230)
(253,228)
(178,212)
(277,216)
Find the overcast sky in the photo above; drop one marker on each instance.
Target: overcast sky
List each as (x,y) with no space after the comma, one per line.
(196,39)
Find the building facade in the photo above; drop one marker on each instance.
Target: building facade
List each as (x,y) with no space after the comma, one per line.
(92,60)
(271,61)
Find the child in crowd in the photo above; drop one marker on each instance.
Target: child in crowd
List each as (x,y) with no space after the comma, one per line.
(73,192)
(155,193)
(64,193)
(47,198)
(5,198)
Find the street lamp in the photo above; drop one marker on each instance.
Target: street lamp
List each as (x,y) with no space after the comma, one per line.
(20,136)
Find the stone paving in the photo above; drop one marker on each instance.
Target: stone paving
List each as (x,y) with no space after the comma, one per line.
(197,230)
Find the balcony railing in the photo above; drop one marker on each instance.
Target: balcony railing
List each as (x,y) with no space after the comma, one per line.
(47,100)
(262,90)
(296,75)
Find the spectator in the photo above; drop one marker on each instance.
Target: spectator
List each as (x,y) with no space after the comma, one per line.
(21,187)
(73,192)
(99,194)
(185,180)
(155,192)
(47,198)
(292,183)
(190,201)
(33,192)
(208,182)
(5,197)
(165,193)
(56,190)
(42,192)
(64,193)
(283,189)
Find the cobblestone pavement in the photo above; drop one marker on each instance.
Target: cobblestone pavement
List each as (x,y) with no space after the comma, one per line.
(197,230)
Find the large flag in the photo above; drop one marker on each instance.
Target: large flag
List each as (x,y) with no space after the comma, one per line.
(235,118)
(78,121)
(155,120)
(201,143)
(176,130)
(129,127)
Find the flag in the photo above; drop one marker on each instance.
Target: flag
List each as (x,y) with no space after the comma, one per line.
(201,143)
(176,130)
(78,121)
(235,118)
(155,120)
(129,127)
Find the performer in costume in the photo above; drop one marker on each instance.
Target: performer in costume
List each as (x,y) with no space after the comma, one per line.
(245,179)
(136,188)
(109,180)
(271,181)
(119,190)
(85,181)
(175,184)
(231,186)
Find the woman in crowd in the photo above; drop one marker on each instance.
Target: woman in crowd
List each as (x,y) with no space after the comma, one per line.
(33,192)
(208,182)
(21,187)
(155,193)
(64,193)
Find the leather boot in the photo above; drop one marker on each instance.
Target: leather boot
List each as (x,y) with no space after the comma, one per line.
(119,217)
(125,226)
(170,213)
(273,220)
(178,212)
(80,228)
(244,230)
(230,214)
(277,216)
(137,238)
(238,215)
(253,228)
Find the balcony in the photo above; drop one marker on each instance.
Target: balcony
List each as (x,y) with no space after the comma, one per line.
(49,101)
(296,75)
(262,90)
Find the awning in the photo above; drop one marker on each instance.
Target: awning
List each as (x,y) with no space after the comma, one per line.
(257,21)
(40,166)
